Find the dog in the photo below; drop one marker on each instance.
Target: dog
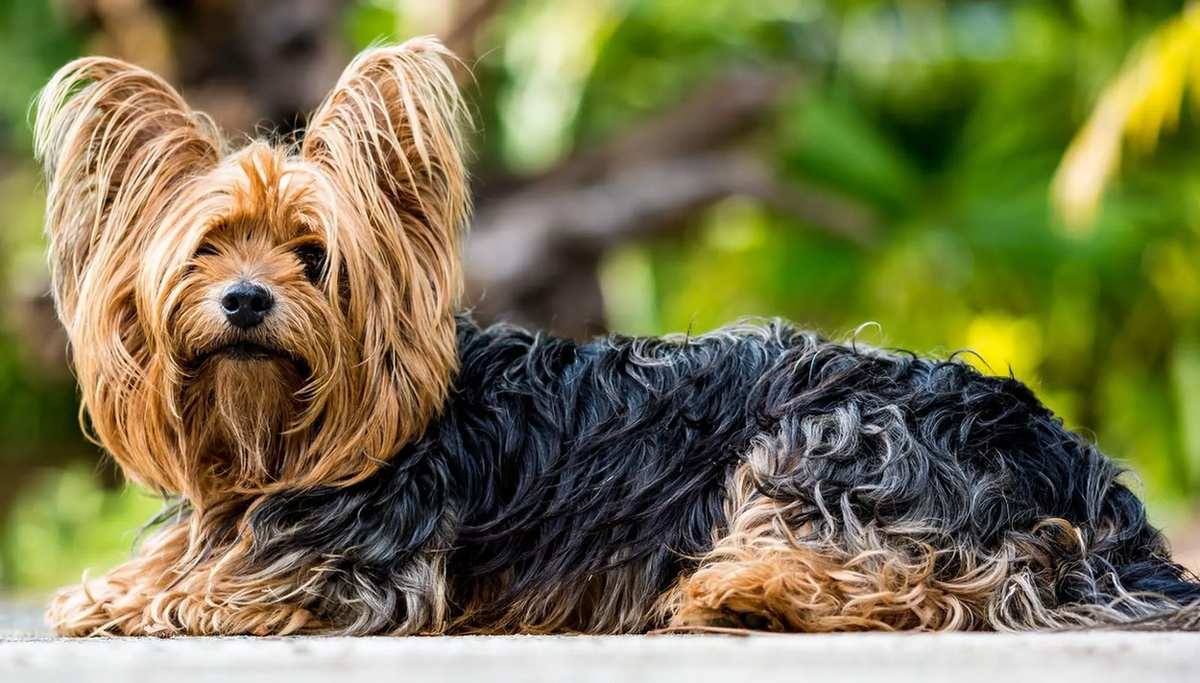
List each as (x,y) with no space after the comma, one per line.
(272,338)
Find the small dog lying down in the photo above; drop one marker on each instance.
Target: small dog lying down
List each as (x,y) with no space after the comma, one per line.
(272,338)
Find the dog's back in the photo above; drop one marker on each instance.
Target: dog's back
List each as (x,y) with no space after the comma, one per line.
(757,476)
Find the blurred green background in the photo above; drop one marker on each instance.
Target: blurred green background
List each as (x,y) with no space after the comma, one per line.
(648,166)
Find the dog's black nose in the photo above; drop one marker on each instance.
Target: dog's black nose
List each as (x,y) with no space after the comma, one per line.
(246,304)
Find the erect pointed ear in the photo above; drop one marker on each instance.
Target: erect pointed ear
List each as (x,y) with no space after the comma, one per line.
(390,135)
(115,141)
(390,140)
(119,147)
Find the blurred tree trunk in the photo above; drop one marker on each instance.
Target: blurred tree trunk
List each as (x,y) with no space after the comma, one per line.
(248,64)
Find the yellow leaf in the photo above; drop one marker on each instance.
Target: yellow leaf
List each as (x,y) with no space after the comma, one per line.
(1139,105)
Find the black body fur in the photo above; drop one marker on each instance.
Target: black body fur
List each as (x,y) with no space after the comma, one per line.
(556,464)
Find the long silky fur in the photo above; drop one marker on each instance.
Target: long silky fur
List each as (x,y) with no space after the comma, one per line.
(582,482)
(393,468)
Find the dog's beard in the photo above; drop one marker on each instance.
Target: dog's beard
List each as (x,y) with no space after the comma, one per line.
(240,411)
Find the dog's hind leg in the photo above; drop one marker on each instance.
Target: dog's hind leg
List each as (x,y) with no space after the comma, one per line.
(821,534)
(767,572)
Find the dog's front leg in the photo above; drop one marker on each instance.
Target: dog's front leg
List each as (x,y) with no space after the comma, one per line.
(166,590)
(124,603)
(94,607)
(111,607)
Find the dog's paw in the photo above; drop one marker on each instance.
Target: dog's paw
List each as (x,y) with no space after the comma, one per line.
(83,610)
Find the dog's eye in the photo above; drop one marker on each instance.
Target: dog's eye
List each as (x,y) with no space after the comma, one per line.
(312,257)
(206,250)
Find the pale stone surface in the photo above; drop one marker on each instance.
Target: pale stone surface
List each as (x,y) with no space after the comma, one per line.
(21,619)
(961,658)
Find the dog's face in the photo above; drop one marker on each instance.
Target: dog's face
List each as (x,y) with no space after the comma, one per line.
(266,318)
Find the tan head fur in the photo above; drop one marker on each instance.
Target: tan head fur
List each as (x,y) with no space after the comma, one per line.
(352,240)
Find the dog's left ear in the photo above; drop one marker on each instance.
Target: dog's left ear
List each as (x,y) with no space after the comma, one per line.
(117,143)
(389,137)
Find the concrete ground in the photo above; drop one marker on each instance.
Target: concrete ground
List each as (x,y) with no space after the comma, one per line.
(29,655)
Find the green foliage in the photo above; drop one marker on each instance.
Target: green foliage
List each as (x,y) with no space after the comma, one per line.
(33,43)
(67,525)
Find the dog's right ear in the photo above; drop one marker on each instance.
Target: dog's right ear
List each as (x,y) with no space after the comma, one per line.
(115,142)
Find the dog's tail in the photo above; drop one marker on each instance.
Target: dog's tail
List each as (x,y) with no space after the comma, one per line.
(1160,595)
(1144,596)
(1116,574)
(1115,570)
(1147,593)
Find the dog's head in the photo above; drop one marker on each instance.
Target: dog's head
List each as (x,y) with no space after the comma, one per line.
(266,317)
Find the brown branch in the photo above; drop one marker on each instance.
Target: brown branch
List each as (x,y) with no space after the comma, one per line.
(718,112)
(711,118)
(531,240)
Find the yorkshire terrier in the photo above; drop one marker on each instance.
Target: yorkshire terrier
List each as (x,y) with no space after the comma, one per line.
(271,337)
